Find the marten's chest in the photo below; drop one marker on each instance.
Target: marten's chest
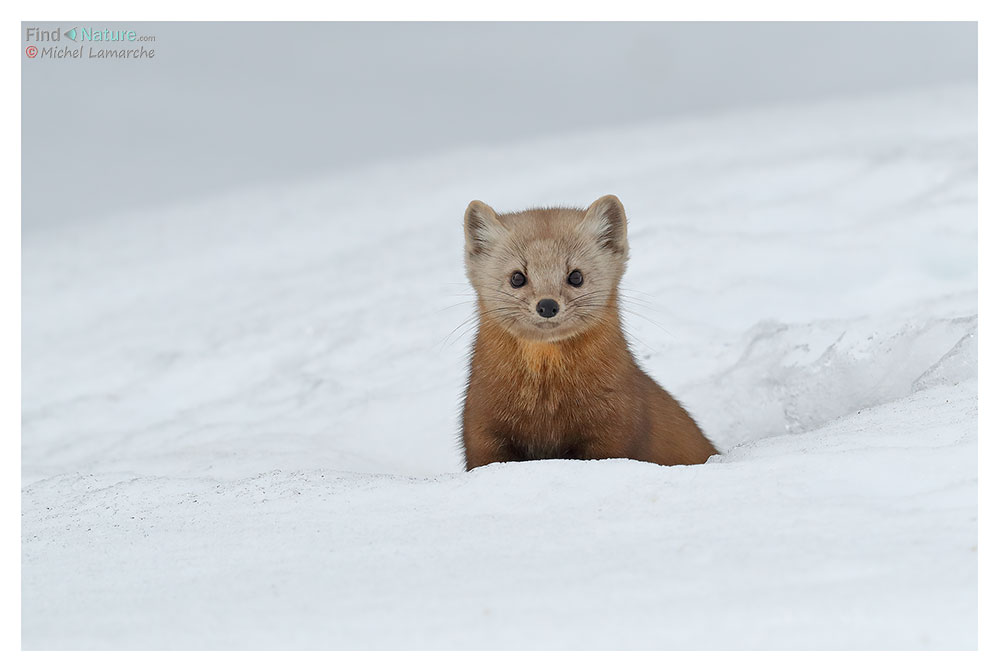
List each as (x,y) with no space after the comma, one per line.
(550,408)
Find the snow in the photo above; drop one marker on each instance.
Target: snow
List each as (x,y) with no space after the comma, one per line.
(240,414)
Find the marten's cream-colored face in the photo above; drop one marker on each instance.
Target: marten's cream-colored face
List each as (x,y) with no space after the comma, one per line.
(546,274)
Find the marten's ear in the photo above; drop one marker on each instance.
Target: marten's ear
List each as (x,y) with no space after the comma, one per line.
(482,228)
(605,219)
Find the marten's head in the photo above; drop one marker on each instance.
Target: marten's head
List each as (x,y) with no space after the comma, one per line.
(547,274)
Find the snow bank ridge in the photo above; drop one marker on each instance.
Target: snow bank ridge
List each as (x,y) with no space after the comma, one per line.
(792,378)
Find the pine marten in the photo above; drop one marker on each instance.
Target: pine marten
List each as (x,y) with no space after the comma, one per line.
(551,375)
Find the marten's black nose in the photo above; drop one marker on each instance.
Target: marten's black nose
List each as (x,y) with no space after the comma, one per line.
(547,308)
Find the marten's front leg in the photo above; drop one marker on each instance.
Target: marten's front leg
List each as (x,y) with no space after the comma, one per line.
(484,447)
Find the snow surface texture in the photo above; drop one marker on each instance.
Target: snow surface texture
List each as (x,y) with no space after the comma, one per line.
(240,415)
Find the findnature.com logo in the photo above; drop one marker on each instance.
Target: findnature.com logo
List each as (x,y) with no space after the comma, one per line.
(114,44)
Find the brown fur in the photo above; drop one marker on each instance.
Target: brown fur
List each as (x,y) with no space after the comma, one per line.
(566,387)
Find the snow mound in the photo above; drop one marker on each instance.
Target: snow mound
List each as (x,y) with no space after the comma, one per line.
(795,378)
(240,415)
(761,548)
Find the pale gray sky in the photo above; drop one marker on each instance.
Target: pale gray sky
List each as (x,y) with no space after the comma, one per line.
(225,105)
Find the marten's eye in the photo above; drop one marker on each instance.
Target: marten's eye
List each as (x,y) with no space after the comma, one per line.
(518,279)
(576,278)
